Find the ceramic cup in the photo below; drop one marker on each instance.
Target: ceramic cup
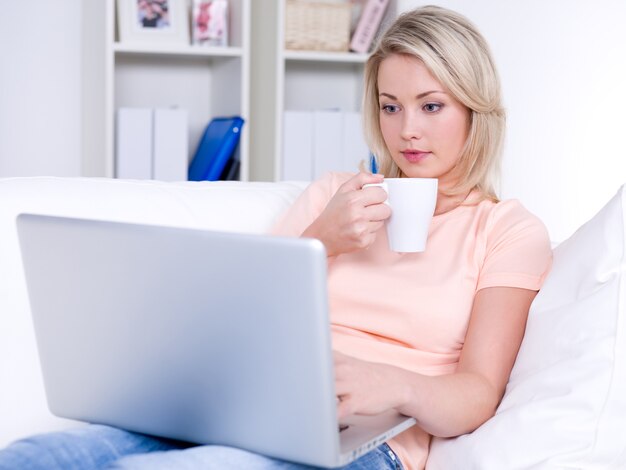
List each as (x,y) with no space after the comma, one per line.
(412,202)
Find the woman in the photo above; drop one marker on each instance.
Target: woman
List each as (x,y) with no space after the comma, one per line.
(433,335)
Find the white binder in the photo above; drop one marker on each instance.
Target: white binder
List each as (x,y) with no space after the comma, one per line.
(171,145)
(328,142)
(133,152)
(297,161)
(355,151)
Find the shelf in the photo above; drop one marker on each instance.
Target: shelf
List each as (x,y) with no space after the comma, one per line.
(295,80)
(204,81)
(188,51)
(317,56)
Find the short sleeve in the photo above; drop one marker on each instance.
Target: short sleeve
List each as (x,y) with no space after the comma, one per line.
(518,251)
(309,205)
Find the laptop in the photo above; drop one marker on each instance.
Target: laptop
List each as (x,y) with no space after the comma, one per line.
(200,336)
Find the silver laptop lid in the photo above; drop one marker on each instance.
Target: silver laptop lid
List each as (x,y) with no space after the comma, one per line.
(201,336)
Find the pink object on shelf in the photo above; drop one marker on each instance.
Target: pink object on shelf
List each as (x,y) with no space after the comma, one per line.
(210,22)
(368,25)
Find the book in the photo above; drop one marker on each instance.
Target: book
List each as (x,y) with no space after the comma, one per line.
(297,162)
(216,146)
(231,170)
(133,149)
(354,150)
(373,163)
(170,144)
(327,142)
(368,24)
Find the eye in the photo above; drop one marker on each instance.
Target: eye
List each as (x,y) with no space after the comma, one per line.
(390,108)
(432,107)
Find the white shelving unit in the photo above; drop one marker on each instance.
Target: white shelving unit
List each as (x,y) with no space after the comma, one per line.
(294,80)
(206,81)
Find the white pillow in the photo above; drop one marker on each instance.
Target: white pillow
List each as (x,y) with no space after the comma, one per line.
(565,403)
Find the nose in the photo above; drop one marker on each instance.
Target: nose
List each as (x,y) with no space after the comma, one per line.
(411,126)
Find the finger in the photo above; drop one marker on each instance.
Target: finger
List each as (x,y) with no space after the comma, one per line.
(373,195)
(374,227)
(344,408)
(377,212)
(358,180)
(342,388)
(368,240)
(342,383)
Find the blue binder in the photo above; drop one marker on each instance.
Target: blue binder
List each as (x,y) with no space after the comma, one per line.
(216,147)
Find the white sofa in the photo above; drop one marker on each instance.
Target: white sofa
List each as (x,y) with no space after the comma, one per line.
(565,405)
(233,206)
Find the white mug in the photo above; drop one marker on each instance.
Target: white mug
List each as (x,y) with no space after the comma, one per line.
(412,202)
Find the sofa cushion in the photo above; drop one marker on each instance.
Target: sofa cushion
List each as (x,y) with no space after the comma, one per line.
(228,206)
(565,403)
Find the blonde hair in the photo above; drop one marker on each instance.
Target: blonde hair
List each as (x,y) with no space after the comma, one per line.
(458,56)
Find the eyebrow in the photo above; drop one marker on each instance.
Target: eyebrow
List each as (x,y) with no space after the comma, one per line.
(419,97)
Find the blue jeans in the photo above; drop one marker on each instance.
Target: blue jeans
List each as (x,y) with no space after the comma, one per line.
(103,447)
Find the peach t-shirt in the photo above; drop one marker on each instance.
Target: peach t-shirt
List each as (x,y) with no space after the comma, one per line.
(412,309)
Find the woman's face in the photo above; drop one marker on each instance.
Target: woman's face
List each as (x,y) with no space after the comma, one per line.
(424,127)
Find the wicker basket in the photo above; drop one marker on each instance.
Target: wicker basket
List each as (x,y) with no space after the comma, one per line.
(317,26)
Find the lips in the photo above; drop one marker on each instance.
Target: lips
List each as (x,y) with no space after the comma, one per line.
(415,156)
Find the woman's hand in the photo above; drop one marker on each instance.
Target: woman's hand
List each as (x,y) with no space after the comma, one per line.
(352,217)
(366,388)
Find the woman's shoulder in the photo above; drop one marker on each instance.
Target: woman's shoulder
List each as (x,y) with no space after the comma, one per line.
(512,210)
(500,218)
(510,218)
(487,207)
(516,241)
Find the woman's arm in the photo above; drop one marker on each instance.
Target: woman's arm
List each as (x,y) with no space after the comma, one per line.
(453,404)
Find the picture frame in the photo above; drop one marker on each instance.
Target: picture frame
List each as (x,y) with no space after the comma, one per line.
(209,23)
(153,21)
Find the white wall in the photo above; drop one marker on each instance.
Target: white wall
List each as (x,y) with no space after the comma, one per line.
(563,70)
(40,87)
